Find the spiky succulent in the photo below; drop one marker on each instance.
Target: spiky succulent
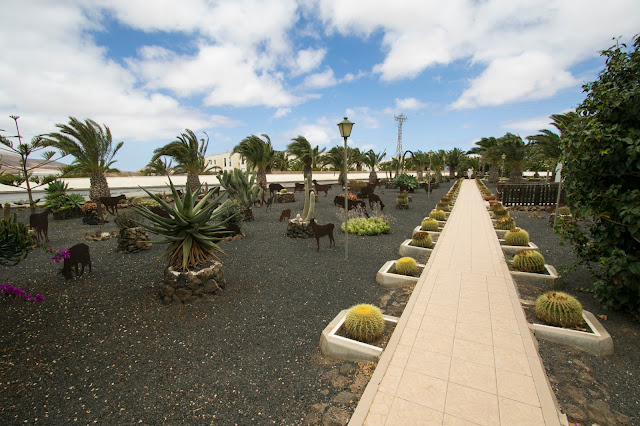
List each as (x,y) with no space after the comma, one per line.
(406,266)
(128,219)
(192,230)
(516,237)
(364,323)
(443,206)
(505,223)
(437,215)
(500,213)
(429,224)
(559,309)
(15,242)
(422,239)
(496,206)
(528,261)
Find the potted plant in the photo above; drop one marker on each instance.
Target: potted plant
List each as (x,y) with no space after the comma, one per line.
(420,246)
(503,225)
(528,266)
(132,237)
(401,272)
(63,205)
(191,231)
(405,182)
(402,201)
(516,239)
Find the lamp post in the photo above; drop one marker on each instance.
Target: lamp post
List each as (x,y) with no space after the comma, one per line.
(345,131)
(429,193)
(503,157)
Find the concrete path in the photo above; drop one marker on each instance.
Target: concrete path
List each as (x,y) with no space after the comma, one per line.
(462,352)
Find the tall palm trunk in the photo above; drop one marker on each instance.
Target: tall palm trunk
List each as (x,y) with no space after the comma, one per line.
(193,181)
(98,186)
(307,171)
(493,174)
(261,179)
(373,176)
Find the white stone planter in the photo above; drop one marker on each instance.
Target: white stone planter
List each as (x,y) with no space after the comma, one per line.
(392,280)
(434,234)
(515,249)
(598,342)
(420,254)
(348,349)
(500,233)
(547,280)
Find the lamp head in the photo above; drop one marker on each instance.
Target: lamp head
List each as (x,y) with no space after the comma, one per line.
(345,127)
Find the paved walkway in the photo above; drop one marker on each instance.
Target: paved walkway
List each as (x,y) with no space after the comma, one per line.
(462,352)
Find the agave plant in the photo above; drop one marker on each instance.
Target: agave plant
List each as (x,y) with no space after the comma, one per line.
(192,230)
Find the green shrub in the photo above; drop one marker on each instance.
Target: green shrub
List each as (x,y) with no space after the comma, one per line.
(559,309)
(15,242)
(364,323)
(404,179)
(564,211)
(368,226)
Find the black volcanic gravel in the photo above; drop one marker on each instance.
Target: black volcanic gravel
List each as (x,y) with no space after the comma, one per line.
(104,349)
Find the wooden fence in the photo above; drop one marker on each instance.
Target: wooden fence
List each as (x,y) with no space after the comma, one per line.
(529,194)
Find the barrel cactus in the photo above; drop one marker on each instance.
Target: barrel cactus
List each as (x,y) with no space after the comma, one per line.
(422,239)
(564,211)
(443,207)
(495,206)
(516,237)
(406,266)
(500,213)
(364,323)
(505,223)
(528,261)
(559,309)
(437,215)
(429,224)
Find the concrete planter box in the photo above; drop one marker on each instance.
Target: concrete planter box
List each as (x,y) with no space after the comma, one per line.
(500,233)
(515,249)
(548,280)
(420,254)
(434,234)
(598,342)
(393,280)
(348,349)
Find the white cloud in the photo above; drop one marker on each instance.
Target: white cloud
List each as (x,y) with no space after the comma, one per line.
(364,117)
(307,60)
(531,125)
(408,104)
(281,112)
(321,80)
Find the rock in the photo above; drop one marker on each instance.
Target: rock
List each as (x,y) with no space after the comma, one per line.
(183,294)
(347,369)
(574,413)
(345,398)
(600,413)
(192,286)
(340,383)
(315,414)
(574,393)
(335,417)
(359,383)
(582,365)
(331,374)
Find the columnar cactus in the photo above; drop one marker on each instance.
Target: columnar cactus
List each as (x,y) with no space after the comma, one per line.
(422,239)
(406,266)
(505,223)
(429,224)
(528,261)
(516,237)
(437,215)
(559,309)
(307,188)
(311,208)
(364,323)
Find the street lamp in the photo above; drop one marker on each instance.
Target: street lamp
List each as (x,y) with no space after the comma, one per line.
(503,157)
(429,194)
(345,131)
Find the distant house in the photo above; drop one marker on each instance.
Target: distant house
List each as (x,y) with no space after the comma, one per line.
(225,161)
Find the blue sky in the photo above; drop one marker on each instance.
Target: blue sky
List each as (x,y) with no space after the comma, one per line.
(459,70)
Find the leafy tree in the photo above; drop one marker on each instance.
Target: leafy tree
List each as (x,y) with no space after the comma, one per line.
(546,149)
(601,158)
(188,154)
(372,159)
(158,167)
(335,158)
(281,161)
(514,148)
(488,149)
(92,147)
(24,170)
(309,157)
(453,159)
(258,154)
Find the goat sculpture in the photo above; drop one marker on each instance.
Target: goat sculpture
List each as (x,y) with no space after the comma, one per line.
(324,188)
(112,202)
(286,214)
(39,222)
(78,254)
(320,231)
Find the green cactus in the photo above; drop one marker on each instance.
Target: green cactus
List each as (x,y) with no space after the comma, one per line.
(437,215)
(364,323)
(128,219)
(564,211)
(429,224)
(402,200)
(406,266)
(307,189)
(500,213)
(516,237)
(505,223)
(6,212)
(15,242)
(559,309)
(496,206)
(241,187)
(422,239)
(528,261)
(312,205)
(443,207)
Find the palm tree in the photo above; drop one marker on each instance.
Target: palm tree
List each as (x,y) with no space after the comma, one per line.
(420,162)
(258,154)
(335,158)
(516,154)
(371,160)
(309,157)
(453,159)
(92,147)
(188,154)
(547,144)
(281,161)
(158,167)
(487,148)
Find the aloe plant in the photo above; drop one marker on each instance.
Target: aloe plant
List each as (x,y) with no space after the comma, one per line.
(242,188)
(192,230)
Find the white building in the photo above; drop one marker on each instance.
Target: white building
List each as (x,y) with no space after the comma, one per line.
(225,161)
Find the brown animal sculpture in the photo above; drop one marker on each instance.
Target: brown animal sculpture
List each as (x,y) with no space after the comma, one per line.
(269,201)
(298,187)
(320,231)
(275,187)
(323,188)
(373,198)
(78,254)
(39,222)
(351,204)
(366,191)
(112,202)
(286,214)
